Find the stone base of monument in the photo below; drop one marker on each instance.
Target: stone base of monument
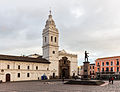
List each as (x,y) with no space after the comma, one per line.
(85,77)
(85,82)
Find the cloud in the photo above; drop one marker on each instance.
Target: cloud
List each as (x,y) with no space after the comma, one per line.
(92,25)
(77,12)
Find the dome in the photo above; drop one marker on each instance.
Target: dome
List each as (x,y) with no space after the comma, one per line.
(50,21)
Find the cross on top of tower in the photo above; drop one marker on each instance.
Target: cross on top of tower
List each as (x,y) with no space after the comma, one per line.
(50,11)
(50,16)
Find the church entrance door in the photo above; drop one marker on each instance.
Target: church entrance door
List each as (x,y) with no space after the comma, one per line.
(65,73)
(64,68)
(7,77)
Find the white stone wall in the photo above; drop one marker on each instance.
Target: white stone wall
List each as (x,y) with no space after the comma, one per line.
(53,58)
(80,70)
(13,71)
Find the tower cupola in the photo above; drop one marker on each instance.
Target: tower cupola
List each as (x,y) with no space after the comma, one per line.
(50,21)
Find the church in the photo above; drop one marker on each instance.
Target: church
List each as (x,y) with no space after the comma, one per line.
(53,63)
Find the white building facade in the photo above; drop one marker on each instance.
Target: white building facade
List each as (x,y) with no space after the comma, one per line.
(53,63)
(19,68)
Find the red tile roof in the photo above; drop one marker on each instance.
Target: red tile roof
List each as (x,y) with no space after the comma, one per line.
(23,59)
(108,57)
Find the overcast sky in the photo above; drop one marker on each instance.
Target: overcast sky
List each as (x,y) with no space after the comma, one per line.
(92,25)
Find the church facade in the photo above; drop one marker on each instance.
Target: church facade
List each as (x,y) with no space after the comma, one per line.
(53,63)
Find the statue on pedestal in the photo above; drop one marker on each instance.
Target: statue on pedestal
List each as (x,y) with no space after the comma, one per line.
(86,67)
(86,56)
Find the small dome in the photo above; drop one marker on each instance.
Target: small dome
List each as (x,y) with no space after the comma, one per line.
(50,21)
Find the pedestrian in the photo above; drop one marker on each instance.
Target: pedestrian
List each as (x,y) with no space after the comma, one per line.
(109,79)
(63,79)
(112,79)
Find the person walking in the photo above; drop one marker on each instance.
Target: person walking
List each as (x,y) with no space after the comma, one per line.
(63,79)
(112,79)
(109,79)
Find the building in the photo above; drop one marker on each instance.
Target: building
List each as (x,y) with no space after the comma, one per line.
(53,63)
(19,68)
(108,66)
(92,71)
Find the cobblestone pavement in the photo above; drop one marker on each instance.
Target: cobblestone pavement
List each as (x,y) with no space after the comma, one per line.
(56,87)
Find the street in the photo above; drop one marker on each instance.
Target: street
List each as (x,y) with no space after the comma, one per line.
(38,86)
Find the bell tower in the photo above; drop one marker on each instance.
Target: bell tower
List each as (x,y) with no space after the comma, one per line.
(50,45)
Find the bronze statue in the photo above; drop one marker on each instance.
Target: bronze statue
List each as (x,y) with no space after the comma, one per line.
(86,56)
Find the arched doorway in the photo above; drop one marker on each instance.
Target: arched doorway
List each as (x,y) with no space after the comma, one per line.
(53,75)
(65,73)
(7,77)
(64,68)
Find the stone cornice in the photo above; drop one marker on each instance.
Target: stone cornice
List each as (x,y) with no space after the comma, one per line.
(49,45)
(49,32)
(23,70)
(67,54)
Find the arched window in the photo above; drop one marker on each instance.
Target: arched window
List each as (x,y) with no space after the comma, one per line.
(55,39)
(51,38)
(8,66)
(18,75)
(45,39)
(28,74)
(18,66)
(36,67)
(28,67)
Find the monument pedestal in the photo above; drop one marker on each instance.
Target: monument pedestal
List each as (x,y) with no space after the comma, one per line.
(86,71)
(85,82)
(86,75)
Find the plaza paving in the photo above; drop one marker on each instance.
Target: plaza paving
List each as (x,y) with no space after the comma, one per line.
(38,86)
